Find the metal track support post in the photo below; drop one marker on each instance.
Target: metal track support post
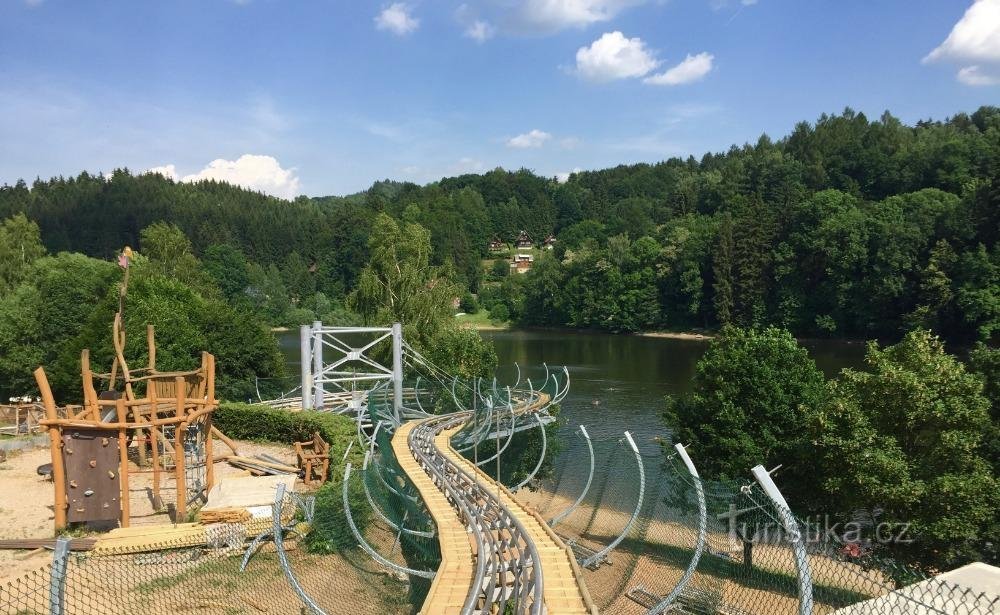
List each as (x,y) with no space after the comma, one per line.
(57,577)
(305,355)
(699,547)
(319,397)
(794,536)
(599,557)
(397,371)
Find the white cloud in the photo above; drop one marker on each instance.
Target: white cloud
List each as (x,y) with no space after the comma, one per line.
(691,69)
(480,31)
(532,138)
(262,173)
(562,178)
(397,19)
(974,75)
(168,170)
(553,15)
(719,5)
(614,57)
(975,37)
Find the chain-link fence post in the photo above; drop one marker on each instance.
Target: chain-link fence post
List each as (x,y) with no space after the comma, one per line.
(57,577)
(791,527)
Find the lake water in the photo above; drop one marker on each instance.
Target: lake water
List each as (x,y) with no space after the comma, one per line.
(618,382)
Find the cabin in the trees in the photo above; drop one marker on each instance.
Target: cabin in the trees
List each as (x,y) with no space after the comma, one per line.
(496,245)
(549,243)
(521,263)
(524,240)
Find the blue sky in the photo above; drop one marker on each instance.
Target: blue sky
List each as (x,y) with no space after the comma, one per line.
(299,97)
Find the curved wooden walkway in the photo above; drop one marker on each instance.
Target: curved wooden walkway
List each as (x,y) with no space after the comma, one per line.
(563,589)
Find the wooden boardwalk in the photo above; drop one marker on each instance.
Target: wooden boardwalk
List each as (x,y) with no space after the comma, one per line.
(563,588)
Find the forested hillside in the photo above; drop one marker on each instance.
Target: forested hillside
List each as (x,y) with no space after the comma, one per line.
(845,227)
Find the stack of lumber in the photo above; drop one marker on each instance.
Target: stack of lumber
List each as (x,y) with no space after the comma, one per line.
(225,515)
(260,465)
(141,539)
(243,499)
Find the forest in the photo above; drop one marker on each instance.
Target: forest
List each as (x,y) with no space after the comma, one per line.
(846,227)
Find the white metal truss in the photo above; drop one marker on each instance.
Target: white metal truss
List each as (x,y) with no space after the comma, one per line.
(338,369)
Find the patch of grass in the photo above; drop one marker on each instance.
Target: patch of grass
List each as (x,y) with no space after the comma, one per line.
(480,320)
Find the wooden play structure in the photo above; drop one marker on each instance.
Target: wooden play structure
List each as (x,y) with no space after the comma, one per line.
(90,445)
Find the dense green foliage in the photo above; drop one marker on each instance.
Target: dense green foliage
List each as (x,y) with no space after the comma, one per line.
(907,441)
(67,302)
(846,227)
(20,245)
(399,284)
(754,391)
(903,441)
(41,318)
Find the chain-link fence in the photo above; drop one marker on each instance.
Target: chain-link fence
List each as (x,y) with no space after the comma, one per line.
(209,578)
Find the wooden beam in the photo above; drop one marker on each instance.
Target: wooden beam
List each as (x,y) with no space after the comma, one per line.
(55,447)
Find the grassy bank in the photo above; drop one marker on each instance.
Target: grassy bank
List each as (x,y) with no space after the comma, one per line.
(481,321)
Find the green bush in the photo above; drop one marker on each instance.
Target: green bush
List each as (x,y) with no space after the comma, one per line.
(499,313)
(469,304)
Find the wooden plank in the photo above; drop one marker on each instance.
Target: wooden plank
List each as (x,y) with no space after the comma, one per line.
(76,544)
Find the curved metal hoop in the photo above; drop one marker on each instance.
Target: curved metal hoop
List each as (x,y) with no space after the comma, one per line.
(541,457)
(510,437)
(375,555)
(382,515)
(279,544)
(699,547)
(601,555)
(590,478)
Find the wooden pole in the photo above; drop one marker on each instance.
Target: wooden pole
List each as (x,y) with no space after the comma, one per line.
(123,463)
(179,431)
(151,343)
(154,438)
(210,377)
(55,447)
(209,361)
(89,394)
(225,439)
(209,463)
